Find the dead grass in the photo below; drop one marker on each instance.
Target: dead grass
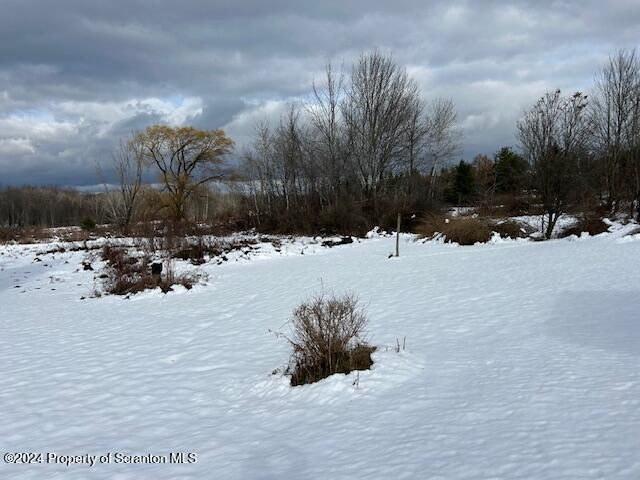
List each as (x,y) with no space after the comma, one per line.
(430,225)
(62,234)
(460,230)
(23,235)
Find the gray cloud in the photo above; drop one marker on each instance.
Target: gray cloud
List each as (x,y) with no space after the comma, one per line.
(77,76)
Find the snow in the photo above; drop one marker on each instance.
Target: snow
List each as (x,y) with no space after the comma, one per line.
(522,361)
(538,222)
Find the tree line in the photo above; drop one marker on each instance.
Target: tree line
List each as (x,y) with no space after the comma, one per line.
(366,146)
(50,206)
(587,151)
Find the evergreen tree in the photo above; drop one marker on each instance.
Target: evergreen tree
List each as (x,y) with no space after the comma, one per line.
(511,171)
(463,187)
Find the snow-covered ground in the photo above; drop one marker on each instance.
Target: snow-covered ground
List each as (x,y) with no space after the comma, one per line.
(522,361)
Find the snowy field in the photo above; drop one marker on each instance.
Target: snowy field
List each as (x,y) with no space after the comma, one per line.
(522,361)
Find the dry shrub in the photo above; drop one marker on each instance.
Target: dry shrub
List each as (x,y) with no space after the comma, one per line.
(328,338)
(514,205)
(467,231)
(509,205)
(429,225)
(589,223)
(171,278)
(62,234)
(6,235)
(512,229)
(343,217)
(194,252)
(195,249)
(460,230)
(127,274)
(23,235)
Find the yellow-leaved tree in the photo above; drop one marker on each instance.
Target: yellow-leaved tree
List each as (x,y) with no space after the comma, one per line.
(186,158)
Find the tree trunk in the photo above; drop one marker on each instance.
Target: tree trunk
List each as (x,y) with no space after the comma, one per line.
(553,218)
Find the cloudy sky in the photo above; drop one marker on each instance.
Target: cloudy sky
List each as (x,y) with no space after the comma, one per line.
(75,76)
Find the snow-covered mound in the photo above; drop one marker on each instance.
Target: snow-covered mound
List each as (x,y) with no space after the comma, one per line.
(522,361)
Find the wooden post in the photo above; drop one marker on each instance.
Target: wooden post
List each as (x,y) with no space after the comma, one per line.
(156,271)
(398,237)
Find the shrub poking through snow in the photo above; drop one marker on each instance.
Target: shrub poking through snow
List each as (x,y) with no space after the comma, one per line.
(196,250)
(512,229)
(460,230)
(467,231)
(128,274)
(328,338)
(429,225)
(589,223)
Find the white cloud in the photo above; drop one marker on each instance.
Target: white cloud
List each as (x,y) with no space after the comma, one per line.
(16,146)
(74,81)
(241,128)
(72,135)
(104,115)
(34,125)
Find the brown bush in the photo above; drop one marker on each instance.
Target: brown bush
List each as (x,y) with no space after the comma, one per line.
(23,234)
(195,252)
(467,231)
(43,235)
(195,249)
(509,205)
(328,338)
(460,230)
(517,205)
(589,223)
(128,274)
(512,229)
(118,259)
(9,234)
(340,218)
(429,225)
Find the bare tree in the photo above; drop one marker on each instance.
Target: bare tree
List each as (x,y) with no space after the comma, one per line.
(280,168)
(634,153)
(324,116)
(443,138)
(128,165)
(184,157)
(553,135)
(357,141)
(289,155)
(258,167)
(377,111)
(615,120)
(416,135)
